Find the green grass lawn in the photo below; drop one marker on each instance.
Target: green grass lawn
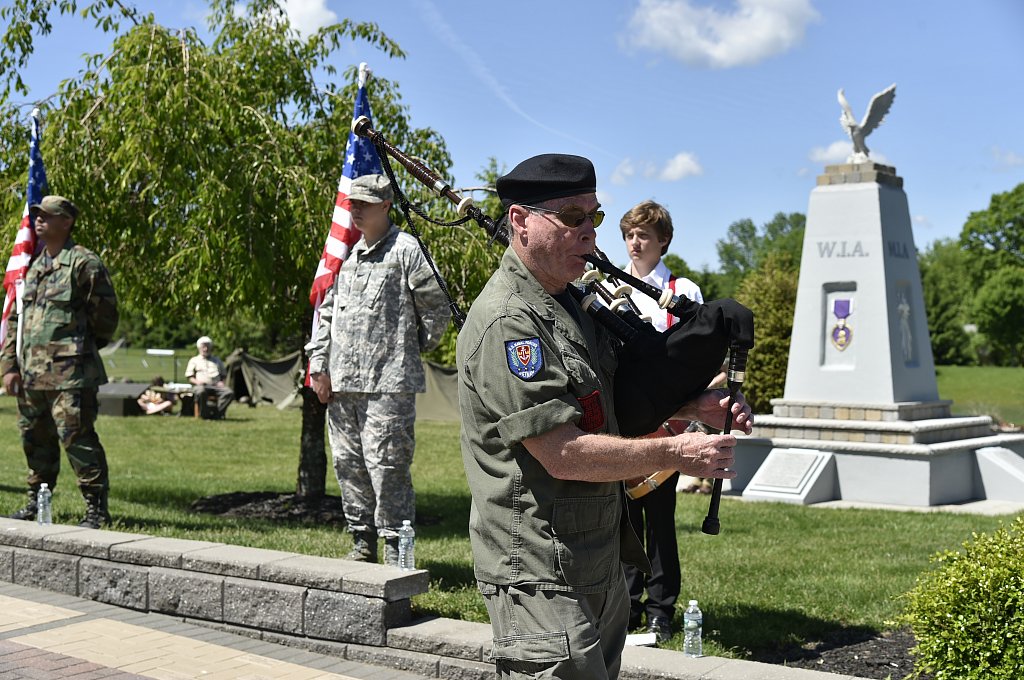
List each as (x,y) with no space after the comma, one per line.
(778,573)
(134,365)
(984,390)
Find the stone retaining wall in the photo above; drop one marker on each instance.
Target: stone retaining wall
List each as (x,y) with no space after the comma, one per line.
(353,610)
(267,590)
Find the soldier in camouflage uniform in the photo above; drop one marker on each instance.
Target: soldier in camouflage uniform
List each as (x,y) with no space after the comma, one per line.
(69,313)
(383,310)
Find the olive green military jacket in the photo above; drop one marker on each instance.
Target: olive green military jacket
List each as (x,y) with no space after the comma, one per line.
(526,366)
(70,312)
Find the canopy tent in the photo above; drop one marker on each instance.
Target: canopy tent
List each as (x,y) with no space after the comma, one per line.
(275,381)
(441,400)
(278,381)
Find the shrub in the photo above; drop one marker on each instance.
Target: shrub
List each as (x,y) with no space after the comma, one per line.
(968,614)
(770,292)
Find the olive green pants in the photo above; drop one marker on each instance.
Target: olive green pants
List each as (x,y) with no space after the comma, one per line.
(52,417)
(557,634)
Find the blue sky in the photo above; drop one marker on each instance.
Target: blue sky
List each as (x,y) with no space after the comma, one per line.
(719,110)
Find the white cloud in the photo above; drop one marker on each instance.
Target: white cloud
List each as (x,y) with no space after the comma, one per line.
(707,36)
(1006,159)
(623,172)
(680,166)
(835,153)
(306,16)
(922,221)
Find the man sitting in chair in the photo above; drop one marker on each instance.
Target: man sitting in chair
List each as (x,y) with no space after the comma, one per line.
(207,373)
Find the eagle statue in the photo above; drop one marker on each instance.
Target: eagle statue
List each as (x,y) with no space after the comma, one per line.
(877,110)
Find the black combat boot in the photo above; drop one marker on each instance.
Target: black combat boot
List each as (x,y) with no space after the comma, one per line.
(364,547)
(96,514)
(29,511)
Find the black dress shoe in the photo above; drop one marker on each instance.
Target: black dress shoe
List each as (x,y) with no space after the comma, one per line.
(661,627)
(26,513)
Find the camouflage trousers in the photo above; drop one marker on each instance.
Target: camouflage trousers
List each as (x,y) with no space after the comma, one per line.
(372,441)
(52,417)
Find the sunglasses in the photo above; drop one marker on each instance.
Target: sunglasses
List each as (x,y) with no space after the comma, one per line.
(572,216)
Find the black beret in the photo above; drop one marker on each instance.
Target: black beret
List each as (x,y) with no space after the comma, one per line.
(550,175)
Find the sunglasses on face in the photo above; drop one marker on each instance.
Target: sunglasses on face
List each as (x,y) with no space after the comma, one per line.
(572,216)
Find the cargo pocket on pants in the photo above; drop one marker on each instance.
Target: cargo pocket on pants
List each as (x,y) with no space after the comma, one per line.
(538,648)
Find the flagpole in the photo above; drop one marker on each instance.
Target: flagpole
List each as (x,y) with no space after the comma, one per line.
(365,72)
(19,284)
(25,242)
(360,158)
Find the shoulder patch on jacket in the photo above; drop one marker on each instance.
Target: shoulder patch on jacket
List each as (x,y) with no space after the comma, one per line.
(524,357)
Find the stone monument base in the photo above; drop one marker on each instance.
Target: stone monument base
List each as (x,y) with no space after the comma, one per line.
(910,453)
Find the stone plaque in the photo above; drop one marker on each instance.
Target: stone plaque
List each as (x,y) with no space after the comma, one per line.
(789,470)
(794,476)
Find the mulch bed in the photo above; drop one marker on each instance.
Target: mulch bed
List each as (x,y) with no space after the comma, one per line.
(881,656)
(269,505)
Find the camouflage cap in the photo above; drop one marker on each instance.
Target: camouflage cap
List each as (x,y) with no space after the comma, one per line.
(371,189)
(56,205)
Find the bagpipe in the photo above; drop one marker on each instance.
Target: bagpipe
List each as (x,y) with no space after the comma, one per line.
(658,372)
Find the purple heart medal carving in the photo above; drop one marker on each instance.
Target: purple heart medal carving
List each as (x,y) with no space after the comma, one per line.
(842,334)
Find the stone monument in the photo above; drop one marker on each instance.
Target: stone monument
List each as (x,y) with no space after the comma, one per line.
(861,419)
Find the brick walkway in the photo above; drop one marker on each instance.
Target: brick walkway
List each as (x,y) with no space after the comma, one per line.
(51,635)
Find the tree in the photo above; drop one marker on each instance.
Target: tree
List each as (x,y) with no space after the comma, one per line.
(769,292)
(995,237)
(944,269)
(710,282)
(745,246)
(784,233)
(678,266)
(206,173)
(998,309)
(993,241)
(468,256)
(737,252)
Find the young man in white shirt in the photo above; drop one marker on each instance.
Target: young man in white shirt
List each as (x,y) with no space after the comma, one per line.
(647,230)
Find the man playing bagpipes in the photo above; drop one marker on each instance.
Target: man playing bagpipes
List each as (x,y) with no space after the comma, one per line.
(539,440)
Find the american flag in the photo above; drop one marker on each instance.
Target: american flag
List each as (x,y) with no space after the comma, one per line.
(25,242)
(360,159)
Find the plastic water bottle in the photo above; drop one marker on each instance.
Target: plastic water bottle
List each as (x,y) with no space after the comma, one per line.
(406,546)
(693,628)
(44,504)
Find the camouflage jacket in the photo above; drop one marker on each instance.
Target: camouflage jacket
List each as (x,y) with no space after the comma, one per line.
(384,309)
(70,312)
